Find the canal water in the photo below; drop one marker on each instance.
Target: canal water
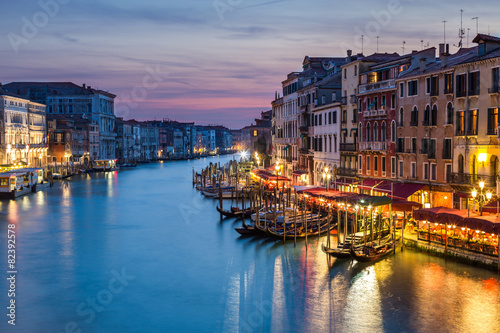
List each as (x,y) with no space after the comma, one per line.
(141,251)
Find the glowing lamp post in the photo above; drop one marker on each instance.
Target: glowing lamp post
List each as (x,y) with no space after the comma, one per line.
(482,197)
(326,177)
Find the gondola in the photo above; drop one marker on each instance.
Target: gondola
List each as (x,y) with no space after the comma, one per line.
(244,231)
(343,251)
(373,252)
(227,213)
(312,230)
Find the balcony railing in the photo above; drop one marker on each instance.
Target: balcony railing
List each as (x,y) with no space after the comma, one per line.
(491,131)
(448,90)
(414,123)
(471,179)
(347,172)
(304,129)
(348,147)
(343,100)
(377,86)
(401,124)
(446,155)
(303,151)
(473,92)
(461,93)
(372,146)
(494,90)
(352,99)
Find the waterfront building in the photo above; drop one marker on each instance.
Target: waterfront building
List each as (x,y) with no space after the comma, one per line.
(68,140)
(237,140)
(68,98)
(14,134)
(377,119)
(324,121)
(125,141)
(287,117)
(37,127)
(348,148)
(425,130)
(23,131)
(476,103)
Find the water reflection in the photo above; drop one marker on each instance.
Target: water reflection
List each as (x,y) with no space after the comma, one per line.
(194,273)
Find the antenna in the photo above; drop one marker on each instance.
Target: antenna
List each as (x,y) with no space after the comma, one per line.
(404,42)
(461,32)
(468,29)
(362,39)
(377,42)
(477,23)
(422,44)
(444,31)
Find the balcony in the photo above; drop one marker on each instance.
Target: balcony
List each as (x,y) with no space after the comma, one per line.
(352,99)
(426,123)
(448,90)
(387,84)
(414,123)
(348,147)
(474,92)
(303,151)
(347,172)
(470,179)
(401,124)
(447,155)
(494,90)
(372,146)
(304,129)
(491,131)
(434,92)
(343,100)
(461,93)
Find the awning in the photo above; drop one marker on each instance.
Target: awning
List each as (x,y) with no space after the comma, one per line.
(463,195)
(404,206)
(375,201)
(404,190)
(367,184)
(299,173)
(302,188)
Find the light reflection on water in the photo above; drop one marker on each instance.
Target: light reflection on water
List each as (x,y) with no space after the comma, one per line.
(194,273)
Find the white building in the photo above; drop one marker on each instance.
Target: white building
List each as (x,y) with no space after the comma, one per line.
(69,98)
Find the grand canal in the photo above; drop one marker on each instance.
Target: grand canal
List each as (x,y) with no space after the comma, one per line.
(141,251)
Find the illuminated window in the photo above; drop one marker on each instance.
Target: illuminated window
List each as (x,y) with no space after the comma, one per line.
(255,133)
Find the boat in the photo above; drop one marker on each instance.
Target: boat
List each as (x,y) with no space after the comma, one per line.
(229,213)
(343,249)
(244,231)
(374,251)
(312,230)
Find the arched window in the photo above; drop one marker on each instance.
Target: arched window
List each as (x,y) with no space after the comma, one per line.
(449,114)
(460,164)
(473,168)
(414,117)
(393,131)
(375,132)
(494,168)
(427,115)
(434,115)
(401,117)
(383,132)
(368,132)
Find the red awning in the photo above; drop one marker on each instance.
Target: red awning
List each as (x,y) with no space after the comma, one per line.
(404,190)
(405,206)
(369,183)
(299,173)
(463,195)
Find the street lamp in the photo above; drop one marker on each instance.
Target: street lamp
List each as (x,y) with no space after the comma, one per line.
(326,176)
(481,197)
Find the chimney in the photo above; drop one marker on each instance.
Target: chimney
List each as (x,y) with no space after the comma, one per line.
(349,55)
(83,85)
(422,64)
(89,87)
(443,54)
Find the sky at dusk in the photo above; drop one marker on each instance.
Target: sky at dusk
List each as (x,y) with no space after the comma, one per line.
(212,61)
